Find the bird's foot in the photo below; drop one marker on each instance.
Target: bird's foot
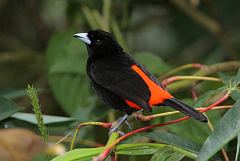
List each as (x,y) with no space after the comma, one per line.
(128,125)
(116,124)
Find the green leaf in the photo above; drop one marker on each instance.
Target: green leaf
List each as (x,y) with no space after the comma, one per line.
(166,154)
(227,128)
(7,108)
(232,84)
(192,130)
(79,154)
(126,149)
(66,61)
(47,119)
(72,64)
(236,79)
(208,96)
(16,93)
(152,62)
(172,139)
(139,148)
(238,146)
(197,131)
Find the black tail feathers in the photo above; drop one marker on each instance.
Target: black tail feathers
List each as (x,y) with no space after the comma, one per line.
(182,107)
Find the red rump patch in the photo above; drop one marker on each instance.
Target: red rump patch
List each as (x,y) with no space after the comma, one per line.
(132,104)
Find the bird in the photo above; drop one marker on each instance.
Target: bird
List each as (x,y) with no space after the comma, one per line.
(122,83)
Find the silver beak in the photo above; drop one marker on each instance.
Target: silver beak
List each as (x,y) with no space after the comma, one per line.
(83,37)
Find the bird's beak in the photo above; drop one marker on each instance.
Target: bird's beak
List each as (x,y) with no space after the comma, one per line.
(83,37)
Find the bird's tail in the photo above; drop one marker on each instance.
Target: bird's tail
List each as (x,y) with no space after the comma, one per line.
(182,107)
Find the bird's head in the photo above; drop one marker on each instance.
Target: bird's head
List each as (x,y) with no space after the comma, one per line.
(99,42)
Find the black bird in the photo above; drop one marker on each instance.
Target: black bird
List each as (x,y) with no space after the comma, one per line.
(121,82)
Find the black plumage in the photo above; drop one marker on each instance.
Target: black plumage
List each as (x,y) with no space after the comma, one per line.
(110,71)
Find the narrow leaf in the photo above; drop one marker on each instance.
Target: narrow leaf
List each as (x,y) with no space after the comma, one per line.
(126,149)
(227,128)
(232,84)
(47,119)
(7,108)
(139,148)
(172,139)
(167,154)
(238,146)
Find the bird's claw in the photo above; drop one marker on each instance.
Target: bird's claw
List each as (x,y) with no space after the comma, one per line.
(115,130)
(118,123)
(129,125)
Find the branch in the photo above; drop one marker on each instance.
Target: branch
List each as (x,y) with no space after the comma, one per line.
(205,71)
(176,78)
(151,117)
(106,152)
(180,68)
(102,124)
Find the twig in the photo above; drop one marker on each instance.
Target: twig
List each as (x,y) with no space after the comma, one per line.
(98,17)
(180,68)
(177,78)
(150,117)
(102,156)
(90,17)
(194,93)
(209,70)
(106,14)
(118,34)
(102,124)
(111,141)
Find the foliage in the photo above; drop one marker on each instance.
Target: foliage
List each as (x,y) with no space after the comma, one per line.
(7,108)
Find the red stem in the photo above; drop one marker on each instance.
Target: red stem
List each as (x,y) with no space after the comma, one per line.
(103,156)
(196,65)
(169,80)
(114,157)
(194,93)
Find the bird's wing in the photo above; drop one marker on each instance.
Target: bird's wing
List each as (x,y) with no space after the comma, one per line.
(122,81)
(154,79)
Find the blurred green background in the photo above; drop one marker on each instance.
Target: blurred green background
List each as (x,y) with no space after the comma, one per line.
(37,47)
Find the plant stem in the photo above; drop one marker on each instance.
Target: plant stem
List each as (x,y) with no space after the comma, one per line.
(150,117)
(194,93)
(99,19)
(119,36)
(89,17)
(225,154)
(113,137)
(102,124)
(32,93)
(106,152)
(106,14)
(205,71)
(180,68)
(176,78)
